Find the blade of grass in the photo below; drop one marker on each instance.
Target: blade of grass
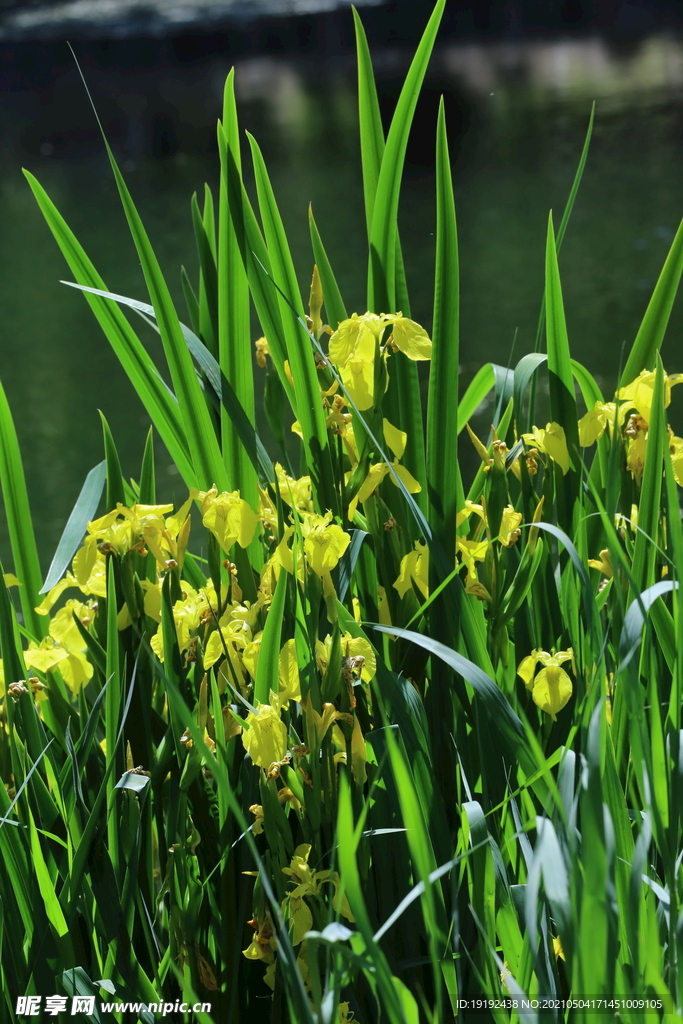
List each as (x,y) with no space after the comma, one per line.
(650,336)
(370,121)
(143,375)
(649,513)
(384,231)
(501,715)
(83,511)
(483,382)
(269,650)
(562,401)
(234,341)
(299,352)
(208,277)
(19,523)
(443,477)
(334,304)
(201,437)
(116,490)
(222,387)
(569,206)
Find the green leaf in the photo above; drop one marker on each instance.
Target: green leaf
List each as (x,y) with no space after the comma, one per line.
(649,511)
(191,300)
(159,402)
(208,288)
(408,1003)
(634,620)
(524,371)
(82,513)
(443,476)
(483,382)
(370,121)
(650,336)
(335,310)
(201,437)
(348,837)
(113,701)
(588,597)
(267,668)
(234,332)
(299,352)
(19,523)
(562,401)
(384,231)
(222,387)
(147,495)
(501,715)
(116,491)
(46,886)
(10,644)
(133,782)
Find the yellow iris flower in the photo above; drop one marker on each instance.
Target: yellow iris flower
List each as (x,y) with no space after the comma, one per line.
(358,657)
(324,542)
(189,613)
(676,450)
(265,739)
(640,392)
(288,674)
(229,518)
(293,492)
(317,725)
(552,441)
(264,943)
(414,569)
(353,345)
(307,885)
(593,424)
(637,395)
(396,440)
(550,688)
(604,563)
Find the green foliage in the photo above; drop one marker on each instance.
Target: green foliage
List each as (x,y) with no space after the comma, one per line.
(358,747)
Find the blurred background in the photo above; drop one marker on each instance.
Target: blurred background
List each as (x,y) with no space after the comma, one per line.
(519,78)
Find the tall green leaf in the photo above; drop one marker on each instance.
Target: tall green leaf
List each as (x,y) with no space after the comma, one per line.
(443,477)
(649,512)
(370,121)
(562,401)
(299,351)
(234,341)
(334,304)
(83,511)
(199,431)
(650,336)
(19,522)
(160,403)
(384,231)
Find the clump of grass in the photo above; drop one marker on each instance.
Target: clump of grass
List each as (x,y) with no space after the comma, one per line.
(394,741)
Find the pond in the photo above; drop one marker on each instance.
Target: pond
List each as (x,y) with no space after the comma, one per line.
(517,115)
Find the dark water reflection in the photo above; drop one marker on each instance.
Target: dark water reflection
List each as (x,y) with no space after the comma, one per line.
(517,113)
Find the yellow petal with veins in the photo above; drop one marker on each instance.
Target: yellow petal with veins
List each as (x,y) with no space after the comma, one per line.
(395,438)
(406,478)
(552,689)
(410,338)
